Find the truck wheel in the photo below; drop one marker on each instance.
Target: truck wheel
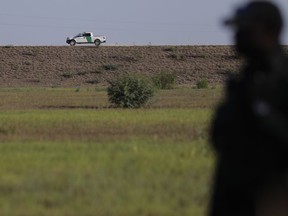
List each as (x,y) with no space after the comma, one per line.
(72,43)
(97,42)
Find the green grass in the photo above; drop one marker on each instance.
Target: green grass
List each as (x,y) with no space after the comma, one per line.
(112,178)
(74,156)
(107,124)
(91,98)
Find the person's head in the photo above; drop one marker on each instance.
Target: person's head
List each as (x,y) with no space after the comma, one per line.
(258,27)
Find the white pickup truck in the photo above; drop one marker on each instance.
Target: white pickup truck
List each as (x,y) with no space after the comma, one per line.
(86,38)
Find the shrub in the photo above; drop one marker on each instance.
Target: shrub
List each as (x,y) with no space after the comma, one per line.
(177,56)
(164,80)
(130,91)
(94,81)
(111,67)
(169,49)
(202,84)
(81,73)
(97,71)
(29,53)
(67,75)
(9,46)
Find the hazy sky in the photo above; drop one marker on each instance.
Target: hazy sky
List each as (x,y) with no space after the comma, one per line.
(140,22)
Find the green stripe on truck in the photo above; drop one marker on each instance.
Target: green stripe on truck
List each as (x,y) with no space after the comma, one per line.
(89,39)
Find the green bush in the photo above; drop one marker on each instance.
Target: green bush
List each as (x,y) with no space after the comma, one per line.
(202,84)
(130,91)
(164,80)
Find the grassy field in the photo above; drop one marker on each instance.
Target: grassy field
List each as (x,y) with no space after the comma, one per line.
(65,152)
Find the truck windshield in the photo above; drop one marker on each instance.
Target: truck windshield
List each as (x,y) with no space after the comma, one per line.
(79,35)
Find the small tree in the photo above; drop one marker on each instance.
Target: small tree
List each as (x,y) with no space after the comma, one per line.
(130,91)
(164,80)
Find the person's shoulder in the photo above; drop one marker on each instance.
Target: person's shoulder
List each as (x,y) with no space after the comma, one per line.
(233,82)
(282,56)
(279,63)
(282,63)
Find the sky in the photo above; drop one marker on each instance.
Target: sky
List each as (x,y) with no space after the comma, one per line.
(123,22)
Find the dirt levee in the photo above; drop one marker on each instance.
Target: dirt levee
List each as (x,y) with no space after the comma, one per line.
(88,65)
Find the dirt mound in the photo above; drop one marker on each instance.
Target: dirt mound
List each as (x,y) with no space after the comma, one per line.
(88,65)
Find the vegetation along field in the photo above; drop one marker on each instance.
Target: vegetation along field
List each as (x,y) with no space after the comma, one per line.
(66,151)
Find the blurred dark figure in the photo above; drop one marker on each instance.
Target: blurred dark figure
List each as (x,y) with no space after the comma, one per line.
(250,127)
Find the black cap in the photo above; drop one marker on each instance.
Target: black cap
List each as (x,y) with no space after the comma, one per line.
(257,13)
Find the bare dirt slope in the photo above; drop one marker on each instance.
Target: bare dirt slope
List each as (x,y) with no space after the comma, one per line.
(87,65)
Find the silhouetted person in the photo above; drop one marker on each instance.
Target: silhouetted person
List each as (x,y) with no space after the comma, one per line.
(249,131)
